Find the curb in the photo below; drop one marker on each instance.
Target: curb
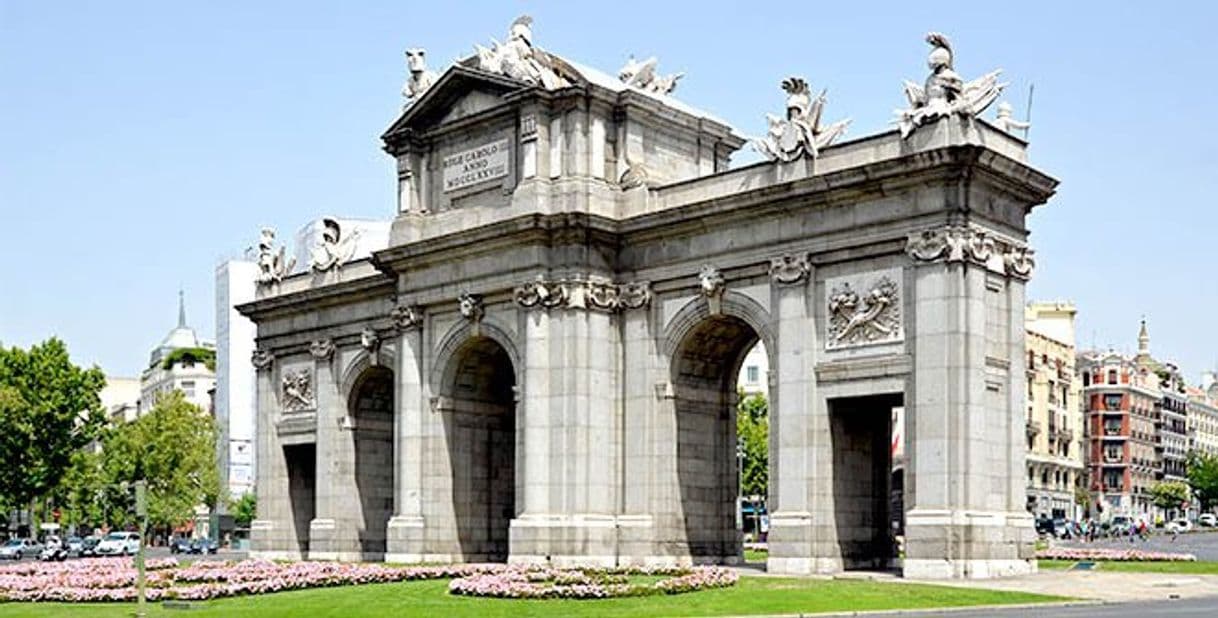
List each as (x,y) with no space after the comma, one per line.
(937,610)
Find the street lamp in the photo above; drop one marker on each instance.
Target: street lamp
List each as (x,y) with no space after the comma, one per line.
(740,484)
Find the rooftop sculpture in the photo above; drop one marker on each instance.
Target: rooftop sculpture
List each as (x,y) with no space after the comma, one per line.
(800,132)
(945,93)
(642,75)
(334,248)
(518,59)
(272,265)
(420,78)
(1006,120)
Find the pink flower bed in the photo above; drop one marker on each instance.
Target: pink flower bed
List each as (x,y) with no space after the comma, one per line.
(547,583)
(113,579)
(1115,555)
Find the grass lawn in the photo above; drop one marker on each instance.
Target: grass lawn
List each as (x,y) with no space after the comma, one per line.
(753,595)
(1191,568)
(756,555)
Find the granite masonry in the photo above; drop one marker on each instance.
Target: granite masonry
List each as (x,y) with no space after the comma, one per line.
(541,366)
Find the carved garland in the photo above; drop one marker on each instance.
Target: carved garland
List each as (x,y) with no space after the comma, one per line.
(596,294)
(964,243)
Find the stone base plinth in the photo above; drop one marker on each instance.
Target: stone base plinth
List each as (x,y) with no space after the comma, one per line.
(405,542)
(968,544)
(331,539)
(795,548)
(564,540)
(272,541)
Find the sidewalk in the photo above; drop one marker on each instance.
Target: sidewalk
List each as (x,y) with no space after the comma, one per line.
(1099,586)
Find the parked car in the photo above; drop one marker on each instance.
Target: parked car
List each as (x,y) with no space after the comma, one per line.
(203,546)
(16,549)
(1044,525)
(1063,528)
(1208,520)
(74,543)
(88,547)
(179,545)
(1179,525)
(119,544)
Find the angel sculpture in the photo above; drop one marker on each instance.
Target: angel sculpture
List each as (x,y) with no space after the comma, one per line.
(800,132)
(420,78)
(272,265)
(945,93)
(334,249)
(642,75)
(518,59)
(1006,120)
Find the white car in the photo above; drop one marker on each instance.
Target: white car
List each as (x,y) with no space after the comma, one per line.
(16,549)
(119,544)
(1179,525)
(1208,520)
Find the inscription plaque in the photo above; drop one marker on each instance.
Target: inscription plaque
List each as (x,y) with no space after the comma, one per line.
(476,165)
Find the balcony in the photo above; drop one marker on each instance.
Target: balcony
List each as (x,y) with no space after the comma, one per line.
(1113,432)
(1114,458)
(1033,428)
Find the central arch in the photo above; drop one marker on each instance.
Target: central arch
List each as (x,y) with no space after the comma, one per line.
(705,366)
(479,388)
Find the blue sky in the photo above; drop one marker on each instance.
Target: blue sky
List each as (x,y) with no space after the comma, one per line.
(142,142)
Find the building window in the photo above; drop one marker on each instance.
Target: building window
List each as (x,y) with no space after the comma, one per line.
(753,373)
(1112,401)
(188,387)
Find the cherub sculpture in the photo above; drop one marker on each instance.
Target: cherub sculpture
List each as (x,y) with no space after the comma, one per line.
(945,93)
(800,132)
(420,78)
(334,249)
(1006,120)
(642,75)
(272,265)
(518,59)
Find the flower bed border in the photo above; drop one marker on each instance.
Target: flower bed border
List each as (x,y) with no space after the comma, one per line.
(589,583)
(113,579)
(1101,554)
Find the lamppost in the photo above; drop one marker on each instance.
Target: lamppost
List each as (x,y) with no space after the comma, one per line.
(739,484)
(141,513)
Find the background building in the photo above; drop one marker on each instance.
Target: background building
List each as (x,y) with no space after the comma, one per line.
(1055,419)
(183,362)
(1203,419)
(754,378)
(235,281)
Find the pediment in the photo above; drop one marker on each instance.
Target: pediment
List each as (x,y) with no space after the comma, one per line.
(459,93)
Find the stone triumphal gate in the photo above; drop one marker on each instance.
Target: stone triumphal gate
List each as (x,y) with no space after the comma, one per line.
(542,364)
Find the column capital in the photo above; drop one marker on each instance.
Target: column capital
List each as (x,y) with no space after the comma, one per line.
(790,268)
(972,244)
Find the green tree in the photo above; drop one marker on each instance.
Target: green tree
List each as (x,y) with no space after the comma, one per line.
(244,509)
(753,431)
(1203,477)
(1170,494)
(80,493)
(173,448)
(49,409)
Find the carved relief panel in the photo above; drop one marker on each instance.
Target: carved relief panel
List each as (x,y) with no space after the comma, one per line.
(864,309)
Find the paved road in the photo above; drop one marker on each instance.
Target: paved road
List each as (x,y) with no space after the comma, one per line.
(163,552)
(1189,608)
(1203,544)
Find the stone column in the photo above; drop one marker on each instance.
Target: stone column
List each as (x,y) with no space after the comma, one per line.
(334,532)
(798,429)
(405,542)
(635,520)
(961,520)
(273,531)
